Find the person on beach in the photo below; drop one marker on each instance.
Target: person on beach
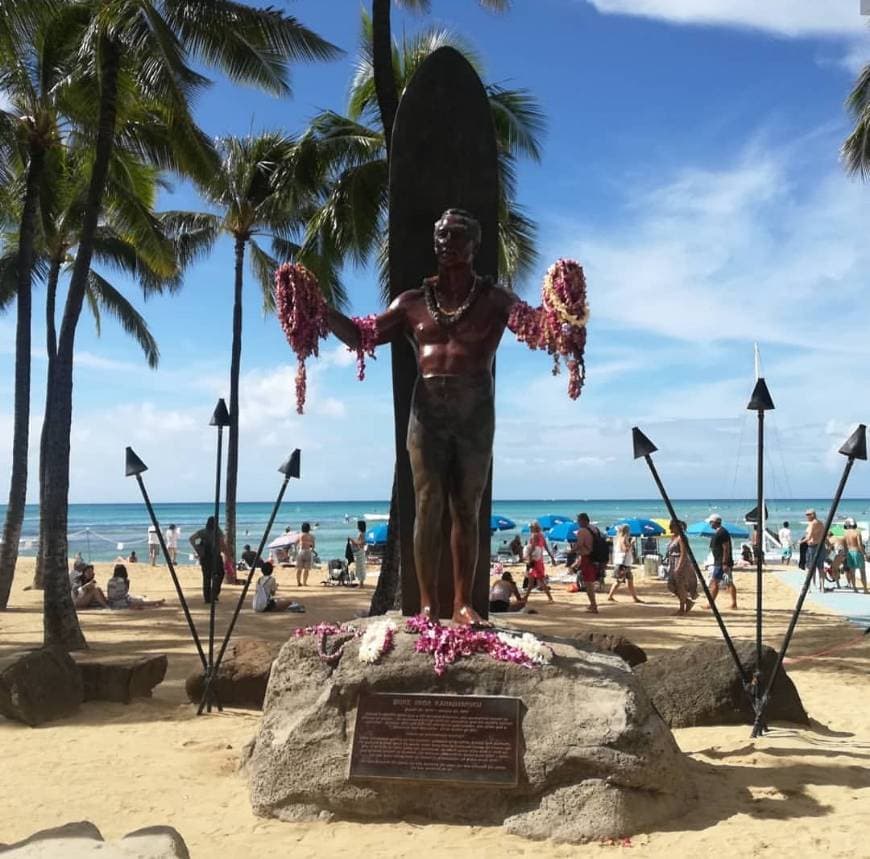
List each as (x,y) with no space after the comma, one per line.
(855,558)
(133,558)
(537,574)
(118,592)
(85,591)
(305,555)
(264,594)
(502,592)
(358,546)
(837,548)
(171,539)
(209,545)
(585,566)
(249,557)
(153,545)
(785,542)
(623,560)
(682,581)
(723,561)
(814,540)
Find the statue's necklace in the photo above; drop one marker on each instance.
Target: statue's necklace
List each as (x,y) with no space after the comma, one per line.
(447,318)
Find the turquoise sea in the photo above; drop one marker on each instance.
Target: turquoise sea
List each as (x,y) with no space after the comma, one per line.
(103,531)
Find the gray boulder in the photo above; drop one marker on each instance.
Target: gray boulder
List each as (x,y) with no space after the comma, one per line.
(596,759)
(243,675)
(611,642)
(699,685)
(37,686)
(82,840)
(120,678)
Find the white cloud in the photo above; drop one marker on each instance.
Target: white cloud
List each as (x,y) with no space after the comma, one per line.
(781,17)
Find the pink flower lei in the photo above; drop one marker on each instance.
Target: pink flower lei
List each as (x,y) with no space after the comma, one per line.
(449,643)
(302,312)
(322,631)
(559,325)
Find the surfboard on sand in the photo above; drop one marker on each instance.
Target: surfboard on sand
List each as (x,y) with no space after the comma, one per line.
(443,155)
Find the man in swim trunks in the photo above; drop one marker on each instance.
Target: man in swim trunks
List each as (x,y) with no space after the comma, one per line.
(455,321)
(817,552)
(587,568)
(723,561)
(855,559)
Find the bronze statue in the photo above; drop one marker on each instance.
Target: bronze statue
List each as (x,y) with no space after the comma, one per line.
(455,321)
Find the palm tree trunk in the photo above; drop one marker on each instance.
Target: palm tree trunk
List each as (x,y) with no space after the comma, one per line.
(61,625)
(382,68)
(21,425)
(51,349)
(235,368)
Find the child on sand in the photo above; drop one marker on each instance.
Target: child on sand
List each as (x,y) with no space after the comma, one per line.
(264,594)
(118,592)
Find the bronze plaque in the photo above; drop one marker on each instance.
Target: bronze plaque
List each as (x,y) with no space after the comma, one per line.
(456,738)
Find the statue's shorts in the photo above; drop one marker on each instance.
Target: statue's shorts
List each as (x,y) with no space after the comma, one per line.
(450,434)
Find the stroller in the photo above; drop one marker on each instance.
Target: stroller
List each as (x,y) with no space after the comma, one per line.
(338,573)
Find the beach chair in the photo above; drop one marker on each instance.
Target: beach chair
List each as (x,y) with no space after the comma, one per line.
(337,573)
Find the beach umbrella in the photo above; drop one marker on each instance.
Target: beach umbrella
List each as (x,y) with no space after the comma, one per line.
(378,535)
(705,529)
(285,540)
(551,519)
(501,523)
(638,528)
(564,531)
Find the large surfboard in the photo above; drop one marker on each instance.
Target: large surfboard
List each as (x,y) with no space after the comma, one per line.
(443,155)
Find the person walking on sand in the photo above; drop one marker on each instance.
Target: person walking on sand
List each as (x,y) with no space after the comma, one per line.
(723,561)
(817,553)
(537,573)
(855,558)
(209,544)
(305,555)
(172,535)
(358,545)
(153,545)
(682,581)
(585,565)
(623,560)
(785,542)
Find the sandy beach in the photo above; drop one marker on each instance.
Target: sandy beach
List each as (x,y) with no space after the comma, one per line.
(800,792)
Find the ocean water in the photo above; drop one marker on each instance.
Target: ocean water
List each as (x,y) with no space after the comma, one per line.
(101,532)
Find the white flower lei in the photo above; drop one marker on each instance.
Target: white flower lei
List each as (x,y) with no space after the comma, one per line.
(536,650)
(377,640)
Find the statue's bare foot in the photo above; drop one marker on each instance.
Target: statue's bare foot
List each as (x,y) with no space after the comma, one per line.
(465,615)
(430,613)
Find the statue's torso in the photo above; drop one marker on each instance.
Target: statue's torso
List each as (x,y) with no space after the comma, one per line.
(465,348)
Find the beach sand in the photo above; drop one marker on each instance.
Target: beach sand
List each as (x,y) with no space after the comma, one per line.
(796,792)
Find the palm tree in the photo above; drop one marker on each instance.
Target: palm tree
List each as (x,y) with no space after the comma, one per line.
(856,149)
(135,52)
(254,189)
(382,54)
(34,40)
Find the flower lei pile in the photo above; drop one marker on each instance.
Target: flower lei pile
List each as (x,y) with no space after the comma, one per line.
(449,643)
(559,325)
(302,313)
(445,643)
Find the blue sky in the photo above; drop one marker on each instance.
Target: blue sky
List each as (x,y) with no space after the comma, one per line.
(690,164)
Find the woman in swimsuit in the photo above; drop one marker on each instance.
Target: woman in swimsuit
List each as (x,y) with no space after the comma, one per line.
(305,555)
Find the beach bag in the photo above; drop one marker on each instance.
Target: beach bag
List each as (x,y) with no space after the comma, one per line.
(527,552)
(600,553)
(348,551)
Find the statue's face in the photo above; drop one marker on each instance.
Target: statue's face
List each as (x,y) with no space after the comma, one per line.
(453,242)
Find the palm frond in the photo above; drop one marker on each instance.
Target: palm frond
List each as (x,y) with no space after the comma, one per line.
(518,119)
(856,148)
(8,277)
(104,297)
(193,234)
(264,267)
(517,245)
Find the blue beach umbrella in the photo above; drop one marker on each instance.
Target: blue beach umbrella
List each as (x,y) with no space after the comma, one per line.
(638,528)
(705,529)
(551,519)
(378,535)
(501,523)
(562,532)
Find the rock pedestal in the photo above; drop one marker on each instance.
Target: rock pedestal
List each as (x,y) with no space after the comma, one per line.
(699,685)
(39,685)
(596,759)
(82,839)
